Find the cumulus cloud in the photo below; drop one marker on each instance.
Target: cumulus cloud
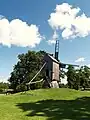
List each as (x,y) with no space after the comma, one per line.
(53,39)
(19,33)
(3,79)
(82,59)
(88,65)
(68,19)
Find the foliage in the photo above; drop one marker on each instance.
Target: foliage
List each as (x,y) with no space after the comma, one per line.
(27,66)
(79,77)
(85,77)
(63,86)
(21,88)
(71,76)
(30,63)
(3,86)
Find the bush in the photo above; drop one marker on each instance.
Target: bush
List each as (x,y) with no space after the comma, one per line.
(63,86)
(3,86)
(21,88)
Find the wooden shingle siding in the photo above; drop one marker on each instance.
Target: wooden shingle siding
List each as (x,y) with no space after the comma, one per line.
(52,65)
(55,73)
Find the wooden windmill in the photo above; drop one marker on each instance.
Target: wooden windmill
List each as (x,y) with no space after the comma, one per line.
(51,66)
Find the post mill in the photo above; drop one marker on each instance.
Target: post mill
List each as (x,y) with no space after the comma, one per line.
(51,66)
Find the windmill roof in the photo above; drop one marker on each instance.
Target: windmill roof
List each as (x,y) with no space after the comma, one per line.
(53,58)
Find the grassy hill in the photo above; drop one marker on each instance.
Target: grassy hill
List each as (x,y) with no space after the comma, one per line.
(48,104)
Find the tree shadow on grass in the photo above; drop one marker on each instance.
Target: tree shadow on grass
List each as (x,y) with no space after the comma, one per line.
(78,109)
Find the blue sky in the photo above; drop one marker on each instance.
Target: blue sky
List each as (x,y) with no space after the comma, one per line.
(74,49)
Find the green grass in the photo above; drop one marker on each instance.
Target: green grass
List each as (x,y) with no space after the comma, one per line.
(48,104)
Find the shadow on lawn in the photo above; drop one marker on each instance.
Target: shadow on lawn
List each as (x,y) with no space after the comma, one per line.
(78,109)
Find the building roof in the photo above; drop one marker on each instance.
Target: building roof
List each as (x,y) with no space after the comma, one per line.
(51,57)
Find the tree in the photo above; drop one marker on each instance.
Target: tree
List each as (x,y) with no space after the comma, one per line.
(27,66)
(3,86)
(84,76)
(79,77)
(21,88)
(71,76)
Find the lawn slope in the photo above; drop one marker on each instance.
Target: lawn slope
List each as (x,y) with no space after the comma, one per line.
(46,104)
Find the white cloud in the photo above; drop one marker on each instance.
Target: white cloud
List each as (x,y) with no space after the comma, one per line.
(67,19)
(3,79)
(19,33)
(82,59)
(88,65)
(53,39)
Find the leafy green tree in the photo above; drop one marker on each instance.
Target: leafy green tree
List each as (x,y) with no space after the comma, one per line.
(84,77)
(27,66)
(71,76)
(21,88)
(3,86)
(78,78)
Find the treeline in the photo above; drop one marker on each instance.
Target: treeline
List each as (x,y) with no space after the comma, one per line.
(3,87)
(78,78)
(29,64)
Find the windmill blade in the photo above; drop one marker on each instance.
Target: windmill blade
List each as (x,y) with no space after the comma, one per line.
(63,65)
